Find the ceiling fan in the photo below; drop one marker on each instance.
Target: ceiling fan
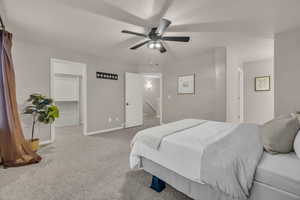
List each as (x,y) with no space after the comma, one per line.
(155,37)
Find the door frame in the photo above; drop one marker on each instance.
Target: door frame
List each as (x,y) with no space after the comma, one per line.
(160,76)
(83,85)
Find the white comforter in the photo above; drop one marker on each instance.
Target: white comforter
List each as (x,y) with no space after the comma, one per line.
(184,151)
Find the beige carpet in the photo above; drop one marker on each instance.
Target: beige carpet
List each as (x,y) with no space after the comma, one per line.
(83,168)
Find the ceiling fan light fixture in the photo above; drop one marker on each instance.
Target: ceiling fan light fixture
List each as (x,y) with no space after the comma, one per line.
(157,45)
(155,38)
(154,45)
(151,45)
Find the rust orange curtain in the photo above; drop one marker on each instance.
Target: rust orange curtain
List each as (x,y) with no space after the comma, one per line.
(14,151)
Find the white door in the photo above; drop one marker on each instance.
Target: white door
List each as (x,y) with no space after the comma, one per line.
(66,88)
(133,100)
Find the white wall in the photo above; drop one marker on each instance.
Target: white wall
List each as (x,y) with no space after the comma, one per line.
(2,12)
(105,98)
(258,105)
(220,69)
(209,100)
(287,72)
(236,55)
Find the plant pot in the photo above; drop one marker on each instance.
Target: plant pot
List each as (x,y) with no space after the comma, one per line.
(34,144)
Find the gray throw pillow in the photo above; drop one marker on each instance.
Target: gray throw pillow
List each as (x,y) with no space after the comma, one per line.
(297,144)
(297,114)
(279,134)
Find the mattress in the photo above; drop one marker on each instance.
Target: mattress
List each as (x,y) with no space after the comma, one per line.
(281,171)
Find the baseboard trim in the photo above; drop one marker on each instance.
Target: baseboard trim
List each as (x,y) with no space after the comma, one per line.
(42,143)
(105,130)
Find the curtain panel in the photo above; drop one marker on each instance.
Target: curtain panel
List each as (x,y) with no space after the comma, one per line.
(14,150)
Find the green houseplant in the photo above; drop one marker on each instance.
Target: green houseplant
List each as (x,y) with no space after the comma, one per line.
(43,111)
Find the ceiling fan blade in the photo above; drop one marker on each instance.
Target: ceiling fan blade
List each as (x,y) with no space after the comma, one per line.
(106,9)
(242,27)
(139,45)
(159,9)
(162,49)
(163,25)
(128,42)
(176,38)
(134,33)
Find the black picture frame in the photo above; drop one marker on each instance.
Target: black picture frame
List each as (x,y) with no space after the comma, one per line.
(108,76)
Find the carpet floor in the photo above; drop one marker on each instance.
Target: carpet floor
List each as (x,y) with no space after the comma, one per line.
(76,167)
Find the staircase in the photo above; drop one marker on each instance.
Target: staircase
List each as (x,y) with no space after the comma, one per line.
(148,109)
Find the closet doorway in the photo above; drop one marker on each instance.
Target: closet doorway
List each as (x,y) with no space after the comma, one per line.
(68,90)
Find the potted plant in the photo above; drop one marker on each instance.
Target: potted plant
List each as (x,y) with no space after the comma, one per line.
(43,111)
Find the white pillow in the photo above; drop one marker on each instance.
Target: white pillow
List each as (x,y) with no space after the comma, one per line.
(297,144)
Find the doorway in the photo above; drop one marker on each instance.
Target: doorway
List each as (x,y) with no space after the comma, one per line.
(152,99)
(68,90)
(256,106)
(143,99)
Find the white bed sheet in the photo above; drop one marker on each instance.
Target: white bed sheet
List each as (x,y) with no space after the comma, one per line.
(182,152)
(281,171)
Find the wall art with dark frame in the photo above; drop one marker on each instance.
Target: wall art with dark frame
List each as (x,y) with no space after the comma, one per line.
(262,83)
(104,75)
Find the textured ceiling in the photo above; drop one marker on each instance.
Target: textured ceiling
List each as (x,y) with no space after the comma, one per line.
(93,26)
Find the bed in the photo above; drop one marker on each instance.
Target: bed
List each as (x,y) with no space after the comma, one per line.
(276,177)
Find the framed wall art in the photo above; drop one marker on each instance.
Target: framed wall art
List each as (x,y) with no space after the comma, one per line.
(186,84)
(263,83)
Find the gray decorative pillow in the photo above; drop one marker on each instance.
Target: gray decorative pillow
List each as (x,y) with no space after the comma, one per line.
(297,114)
(297,144)
(279,134)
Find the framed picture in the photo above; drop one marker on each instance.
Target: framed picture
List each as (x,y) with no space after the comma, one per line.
(263,83)
(186,84)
